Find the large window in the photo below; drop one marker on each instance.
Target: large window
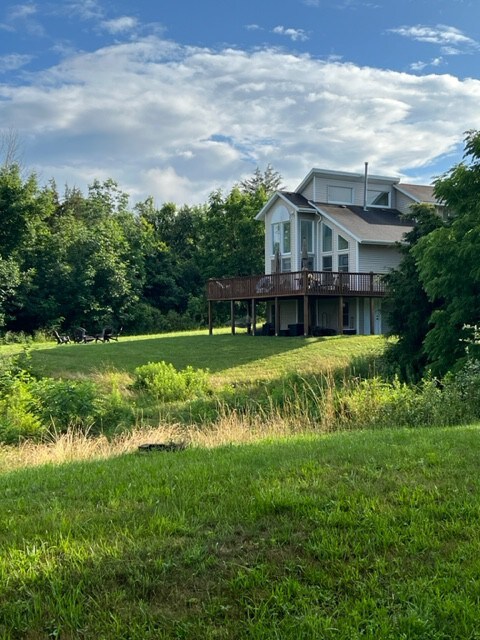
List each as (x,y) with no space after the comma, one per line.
(306,235)
(327,264)
(339,195)
(281,237)
(286,237)
(327,236)
(343,262)
(378,198)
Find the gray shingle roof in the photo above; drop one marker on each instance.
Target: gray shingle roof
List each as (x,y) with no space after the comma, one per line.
(419,192)
(374,226)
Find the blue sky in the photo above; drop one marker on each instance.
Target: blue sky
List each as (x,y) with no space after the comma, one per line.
(177,98)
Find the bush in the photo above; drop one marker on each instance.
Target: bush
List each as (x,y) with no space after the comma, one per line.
(167,384)
(66,403)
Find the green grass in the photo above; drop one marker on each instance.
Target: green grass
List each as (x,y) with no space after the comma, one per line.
(353,535)
(229,358)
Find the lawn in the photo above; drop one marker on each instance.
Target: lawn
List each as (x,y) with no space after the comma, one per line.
(369,534)
(229,358)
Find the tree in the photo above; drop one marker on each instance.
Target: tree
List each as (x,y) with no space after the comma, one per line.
(232,240)
(449,265)
(270,180)
(407,305)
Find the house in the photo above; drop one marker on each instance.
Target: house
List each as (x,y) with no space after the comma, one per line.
(327,246)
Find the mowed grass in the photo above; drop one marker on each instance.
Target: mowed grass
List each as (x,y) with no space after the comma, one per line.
(239,358)
(350,535)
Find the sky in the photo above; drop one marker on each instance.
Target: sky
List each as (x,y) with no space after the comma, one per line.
(176,99)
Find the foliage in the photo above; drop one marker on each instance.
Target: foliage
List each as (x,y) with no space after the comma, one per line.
(89,260)
(407,304)
(448,263)
(162,380)
(435,294)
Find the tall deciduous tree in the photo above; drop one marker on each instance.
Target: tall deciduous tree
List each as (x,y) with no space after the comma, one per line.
(407,305)
(449,265)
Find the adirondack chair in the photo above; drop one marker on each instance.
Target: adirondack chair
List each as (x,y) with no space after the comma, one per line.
(108,334)
(61,339)
(81,335)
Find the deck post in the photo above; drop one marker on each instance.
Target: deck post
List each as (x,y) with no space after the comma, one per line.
(254,317)
(372,318)
(277,317)
(210,318)
(306,317)
(232,315)
(340,315)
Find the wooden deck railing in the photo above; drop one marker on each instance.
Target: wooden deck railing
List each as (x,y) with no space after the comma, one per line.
(315,283)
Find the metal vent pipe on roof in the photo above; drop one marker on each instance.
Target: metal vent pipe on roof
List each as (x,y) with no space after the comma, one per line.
(365,184)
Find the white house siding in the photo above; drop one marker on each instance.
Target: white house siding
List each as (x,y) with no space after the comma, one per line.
(309,191)
(403,202)
(317,189)
(377,258)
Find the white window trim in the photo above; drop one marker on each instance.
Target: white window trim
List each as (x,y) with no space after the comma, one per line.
(381,206)
(333,186)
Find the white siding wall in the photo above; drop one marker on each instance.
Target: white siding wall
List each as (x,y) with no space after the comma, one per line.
(318,190)
(378,259)
(403,202)
(308,191)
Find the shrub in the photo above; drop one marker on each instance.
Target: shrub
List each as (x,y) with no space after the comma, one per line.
(66,403)
(162,380)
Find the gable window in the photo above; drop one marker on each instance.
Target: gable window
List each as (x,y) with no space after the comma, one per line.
(327,264)
(342,243)
(306,234)
(378,198)
(343,262)
(327,234)
(339,195)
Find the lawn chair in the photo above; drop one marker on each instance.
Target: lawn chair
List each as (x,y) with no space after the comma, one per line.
(108,334)
(82,336)
(61,339)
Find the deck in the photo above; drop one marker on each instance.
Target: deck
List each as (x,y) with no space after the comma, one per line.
(298,283)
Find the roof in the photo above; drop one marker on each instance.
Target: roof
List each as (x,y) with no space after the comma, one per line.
(418,192)
(374,226)
(295,199)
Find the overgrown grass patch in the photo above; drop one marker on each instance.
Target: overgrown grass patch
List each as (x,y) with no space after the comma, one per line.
(353,535)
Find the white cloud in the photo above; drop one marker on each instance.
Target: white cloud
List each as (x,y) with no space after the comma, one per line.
(420,65)
(293,34)
(22,11)
(119,25)
(449,37)
(84,9)
(178,122)
(13,61)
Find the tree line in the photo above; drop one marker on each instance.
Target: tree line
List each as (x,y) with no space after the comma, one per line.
(90,259)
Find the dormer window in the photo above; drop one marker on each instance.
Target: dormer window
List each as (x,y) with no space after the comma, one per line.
(339,195)
(378,198)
